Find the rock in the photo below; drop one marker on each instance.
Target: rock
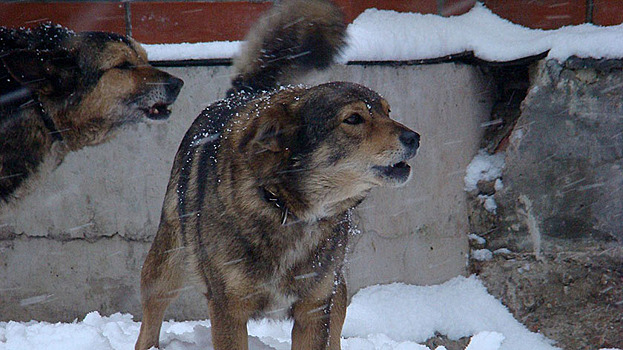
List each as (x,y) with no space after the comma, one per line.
(560,211)
(566,154)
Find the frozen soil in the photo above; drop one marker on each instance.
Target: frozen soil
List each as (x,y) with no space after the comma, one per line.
(572,296)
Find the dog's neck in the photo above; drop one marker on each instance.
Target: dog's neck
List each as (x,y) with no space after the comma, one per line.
(294,210)
(270,197)
(47,120)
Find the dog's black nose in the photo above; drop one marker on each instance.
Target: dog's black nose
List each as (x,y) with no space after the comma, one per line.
(174,85)
(410,138)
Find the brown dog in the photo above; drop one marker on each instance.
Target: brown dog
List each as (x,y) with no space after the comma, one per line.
(61,91)
(257,208)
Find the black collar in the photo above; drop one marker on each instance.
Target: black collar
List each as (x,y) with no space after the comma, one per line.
(47,120)
(271,197)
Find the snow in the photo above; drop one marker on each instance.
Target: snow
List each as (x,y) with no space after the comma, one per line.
(486,341)
(485,167)
(187,51)
(502,251)
(482,254)
(476,238)
(489,203)
(415,36)
(395,316)
(458,308)
(498,186)
(380,35)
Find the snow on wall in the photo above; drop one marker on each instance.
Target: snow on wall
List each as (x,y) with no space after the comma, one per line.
(378,35)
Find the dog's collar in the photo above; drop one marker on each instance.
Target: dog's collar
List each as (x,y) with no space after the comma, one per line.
(47,120)
(270,197)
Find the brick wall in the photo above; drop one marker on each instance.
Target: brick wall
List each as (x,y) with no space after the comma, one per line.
(153,22)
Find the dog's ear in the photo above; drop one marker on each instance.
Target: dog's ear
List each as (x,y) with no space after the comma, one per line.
(47,72)
(269,137)
(272,131)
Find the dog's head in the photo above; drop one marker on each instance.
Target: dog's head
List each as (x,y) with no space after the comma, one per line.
(92,82)
(334,141)
(349,131)
(118,70)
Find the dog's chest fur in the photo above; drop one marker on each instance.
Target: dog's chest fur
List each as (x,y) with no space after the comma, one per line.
(271,267)
(296,254)
(299,265)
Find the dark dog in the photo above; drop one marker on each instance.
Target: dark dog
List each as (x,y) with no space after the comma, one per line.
(257,208)
(61,91)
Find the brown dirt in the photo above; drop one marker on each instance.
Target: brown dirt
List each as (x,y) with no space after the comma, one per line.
(572,297)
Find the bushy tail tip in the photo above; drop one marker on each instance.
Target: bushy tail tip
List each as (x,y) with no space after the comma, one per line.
(293,37)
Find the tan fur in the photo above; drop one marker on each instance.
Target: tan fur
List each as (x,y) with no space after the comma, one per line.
(88,87)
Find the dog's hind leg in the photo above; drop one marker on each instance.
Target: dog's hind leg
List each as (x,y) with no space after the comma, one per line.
(162,278)
(318,322)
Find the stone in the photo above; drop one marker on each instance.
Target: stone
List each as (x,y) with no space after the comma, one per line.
(561,209)
(566,154)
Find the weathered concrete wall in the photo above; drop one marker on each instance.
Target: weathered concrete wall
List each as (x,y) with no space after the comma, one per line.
(77,243)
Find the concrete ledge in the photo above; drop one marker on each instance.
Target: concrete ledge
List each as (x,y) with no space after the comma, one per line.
(78,242)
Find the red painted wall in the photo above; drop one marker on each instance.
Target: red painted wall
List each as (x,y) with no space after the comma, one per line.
(196,21)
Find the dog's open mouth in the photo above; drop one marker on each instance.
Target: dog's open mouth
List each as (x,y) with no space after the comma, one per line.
(398,172)
(158,111)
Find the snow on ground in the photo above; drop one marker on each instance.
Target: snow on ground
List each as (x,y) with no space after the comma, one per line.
(395,316)
(388,35)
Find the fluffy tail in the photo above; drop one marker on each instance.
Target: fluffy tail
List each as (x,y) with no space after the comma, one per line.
(293,37)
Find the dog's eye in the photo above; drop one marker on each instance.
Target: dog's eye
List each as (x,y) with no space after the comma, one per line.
(124,65)
(354,119)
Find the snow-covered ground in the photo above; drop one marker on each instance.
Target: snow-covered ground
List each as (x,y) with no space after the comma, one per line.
(389,317)
(388,35)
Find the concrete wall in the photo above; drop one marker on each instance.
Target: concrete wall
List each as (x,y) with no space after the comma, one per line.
(77,243)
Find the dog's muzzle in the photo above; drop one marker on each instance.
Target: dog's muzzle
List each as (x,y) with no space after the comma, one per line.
(170,89)
(400,172)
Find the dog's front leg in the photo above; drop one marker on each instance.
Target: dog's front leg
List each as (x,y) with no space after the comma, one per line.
(318,322)
(229,324)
